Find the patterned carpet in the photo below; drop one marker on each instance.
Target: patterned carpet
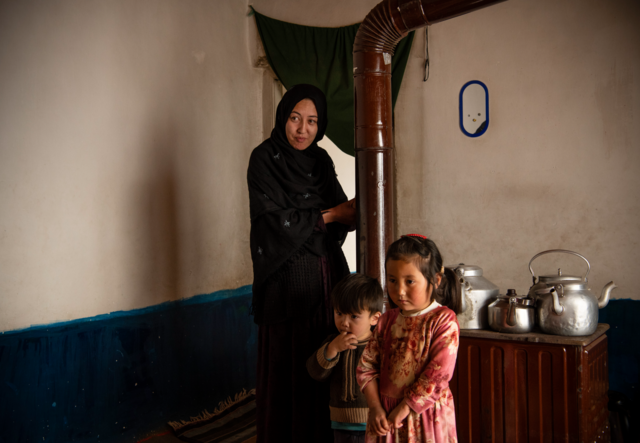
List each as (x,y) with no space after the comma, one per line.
(233,421)
(169,437)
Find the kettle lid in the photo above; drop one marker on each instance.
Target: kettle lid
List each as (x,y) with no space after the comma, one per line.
(560,278)
(466,270)
(512,297)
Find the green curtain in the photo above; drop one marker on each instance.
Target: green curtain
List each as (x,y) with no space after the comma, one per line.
(323,57)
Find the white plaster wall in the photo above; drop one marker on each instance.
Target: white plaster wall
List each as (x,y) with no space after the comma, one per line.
(125,133)
(346,170)
(559,166)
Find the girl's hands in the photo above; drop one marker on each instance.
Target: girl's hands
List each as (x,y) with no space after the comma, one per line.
(344,213)
(341,343)
(398,414)
(377,422)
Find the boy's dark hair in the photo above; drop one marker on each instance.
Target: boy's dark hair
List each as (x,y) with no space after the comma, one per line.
(424,254)
(356,293)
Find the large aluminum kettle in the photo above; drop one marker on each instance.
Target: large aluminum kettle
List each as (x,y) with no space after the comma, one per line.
(477,295)
(564,303)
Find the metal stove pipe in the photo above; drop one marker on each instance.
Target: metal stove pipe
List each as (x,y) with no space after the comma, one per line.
(382,29)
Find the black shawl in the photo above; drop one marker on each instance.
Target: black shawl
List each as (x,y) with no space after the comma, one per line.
(288,189)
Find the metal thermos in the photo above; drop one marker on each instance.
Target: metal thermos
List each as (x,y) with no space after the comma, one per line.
(477,294)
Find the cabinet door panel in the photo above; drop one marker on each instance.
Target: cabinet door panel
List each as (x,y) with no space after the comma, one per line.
(513,392)
(593,384)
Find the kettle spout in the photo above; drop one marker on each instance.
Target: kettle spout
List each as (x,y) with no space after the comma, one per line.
(606,292)
(558,309)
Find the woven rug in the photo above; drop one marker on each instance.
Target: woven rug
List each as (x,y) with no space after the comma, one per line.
(233,421)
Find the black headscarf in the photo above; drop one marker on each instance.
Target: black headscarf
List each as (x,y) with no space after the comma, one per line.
(288,189)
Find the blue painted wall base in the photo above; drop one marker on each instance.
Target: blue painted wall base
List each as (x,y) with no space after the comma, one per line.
(116,377)
(623,316)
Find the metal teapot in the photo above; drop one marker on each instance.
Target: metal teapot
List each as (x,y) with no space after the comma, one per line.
(564,303)
(512,313)
(477,295)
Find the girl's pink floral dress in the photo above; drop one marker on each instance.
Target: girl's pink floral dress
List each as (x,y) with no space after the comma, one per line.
(413,357)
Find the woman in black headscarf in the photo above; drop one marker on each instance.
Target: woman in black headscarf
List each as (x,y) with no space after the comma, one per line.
(299,219)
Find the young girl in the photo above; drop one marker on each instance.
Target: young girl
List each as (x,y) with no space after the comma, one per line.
(406,367)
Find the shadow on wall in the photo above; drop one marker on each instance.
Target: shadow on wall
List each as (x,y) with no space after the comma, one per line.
(118,376)
(155,210)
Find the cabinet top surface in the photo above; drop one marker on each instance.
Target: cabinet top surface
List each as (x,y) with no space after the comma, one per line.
(536,337)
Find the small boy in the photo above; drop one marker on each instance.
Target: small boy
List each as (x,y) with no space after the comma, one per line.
(357,303)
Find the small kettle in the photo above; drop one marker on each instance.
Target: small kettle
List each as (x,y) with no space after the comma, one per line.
(564,303)
(512,313)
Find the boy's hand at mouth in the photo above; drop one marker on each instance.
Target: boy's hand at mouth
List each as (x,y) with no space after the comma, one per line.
(342,342)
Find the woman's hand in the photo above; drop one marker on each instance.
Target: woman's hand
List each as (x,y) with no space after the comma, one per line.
(341,343)
(344,213)
(377,422)
(398,414)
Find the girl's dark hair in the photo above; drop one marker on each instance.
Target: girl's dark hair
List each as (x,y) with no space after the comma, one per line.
(356,293)
(424,254)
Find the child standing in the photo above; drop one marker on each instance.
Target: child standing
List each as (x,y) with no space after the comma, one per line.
(406,367)
(357,303)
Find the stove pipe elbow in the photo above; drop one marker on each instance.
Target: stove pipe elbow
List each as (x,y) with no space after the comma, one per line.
(382,29)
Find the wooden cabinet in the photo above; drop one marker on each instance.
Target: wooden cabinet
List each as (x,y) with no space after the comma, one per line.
(517,388)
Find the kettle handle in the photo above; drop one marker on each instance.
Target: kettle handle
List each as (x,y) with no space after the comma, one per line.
(558,250)
(511,314)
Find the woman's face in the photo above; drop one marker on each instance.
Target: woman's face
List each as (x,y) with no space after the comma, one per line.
(302,125)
